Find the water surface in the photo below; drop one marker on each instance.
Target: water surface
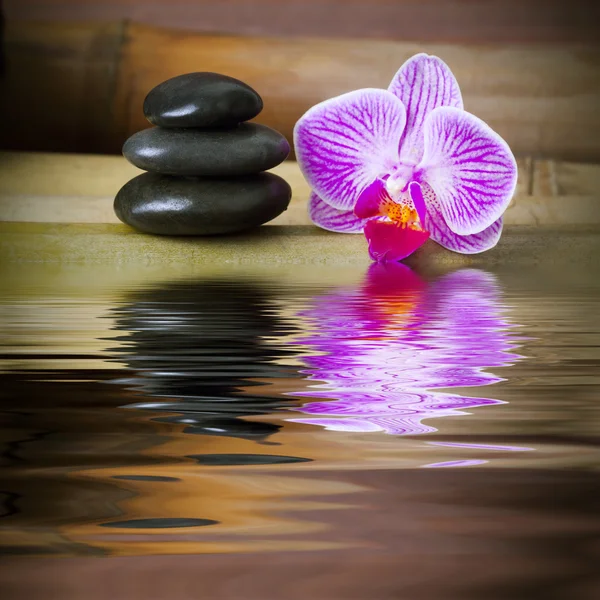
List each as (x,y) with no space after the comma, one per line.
(324,433)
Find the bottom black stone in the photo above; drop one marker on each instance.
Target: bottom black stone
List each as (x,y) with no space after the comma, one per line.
(166,205)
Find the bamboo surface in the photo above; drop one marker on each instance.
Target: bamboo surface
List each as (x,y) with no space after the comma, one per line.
(58,208)
(73,188)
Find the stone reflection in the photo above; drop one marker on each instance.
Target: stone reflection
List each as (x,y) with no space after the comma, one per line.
(385,348)
(200,347)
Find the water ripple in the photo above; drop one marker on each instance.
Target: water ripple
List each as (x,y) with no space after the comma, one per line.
(386,348)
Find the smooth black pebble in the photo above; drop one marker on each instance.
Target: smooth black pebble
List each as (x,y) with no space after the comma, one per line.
(242,150)
(201,100)
(190,206)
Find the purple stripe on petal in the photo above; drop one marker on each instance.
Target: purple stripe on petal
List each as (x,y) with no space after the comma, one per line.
(344,144)
(332,219)
(470,168)
(423,83)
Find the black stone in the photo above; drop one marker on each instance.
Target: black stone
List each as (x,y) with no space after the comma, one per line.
(201,100)
(191,206)
(243,150)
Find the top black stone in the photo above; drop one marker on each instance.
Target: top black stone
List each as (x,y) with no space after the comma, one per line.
(201,100)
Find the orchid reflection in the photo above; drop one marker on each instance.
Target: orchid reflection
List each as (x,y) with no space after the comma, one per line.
(386,348)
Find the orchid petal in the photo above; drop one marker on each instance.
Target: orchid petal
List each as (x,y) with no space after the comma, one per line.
(416,195)
(434,222)
(423,83)
(344,144)
(370,200)
(470,168)
(389,241)
(332,219)
(465,244)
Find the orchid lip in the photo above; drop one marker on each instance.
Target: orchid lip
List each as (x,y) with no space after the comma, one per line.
(392,241)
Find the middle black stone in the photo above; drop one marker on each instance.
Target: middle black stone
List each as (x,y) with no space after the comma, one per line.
(243,150)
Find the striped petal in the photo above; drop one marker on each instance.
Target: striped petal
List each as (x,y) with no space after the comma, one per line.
(344,144)
(332,219)
(470,168)
(465,244)
(443,235)
(423,83)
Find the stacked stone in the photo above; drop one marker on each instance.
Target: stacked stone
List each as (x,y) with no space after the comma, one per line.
(205,163)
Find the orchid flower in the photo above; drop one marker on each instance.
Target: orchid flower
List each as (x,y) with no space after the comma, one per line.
(405,164)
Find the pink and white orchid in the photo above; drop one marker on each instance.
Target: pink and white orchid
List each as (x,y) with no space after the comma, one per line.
(406,163)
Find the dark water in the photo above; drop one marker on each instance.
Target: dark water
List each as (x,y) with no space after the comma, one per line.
(325,434)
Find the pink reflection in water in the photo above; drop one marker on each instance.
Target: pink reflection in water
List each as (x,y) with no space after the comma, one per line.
(388,346)
(455,463)
(482,446)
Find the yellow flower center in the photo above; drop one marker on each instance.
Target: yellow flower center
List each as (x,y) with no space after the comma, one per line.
(402,213)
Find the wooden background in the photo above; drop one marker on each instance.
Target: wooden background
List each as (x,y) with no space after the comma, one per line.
(77,71)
